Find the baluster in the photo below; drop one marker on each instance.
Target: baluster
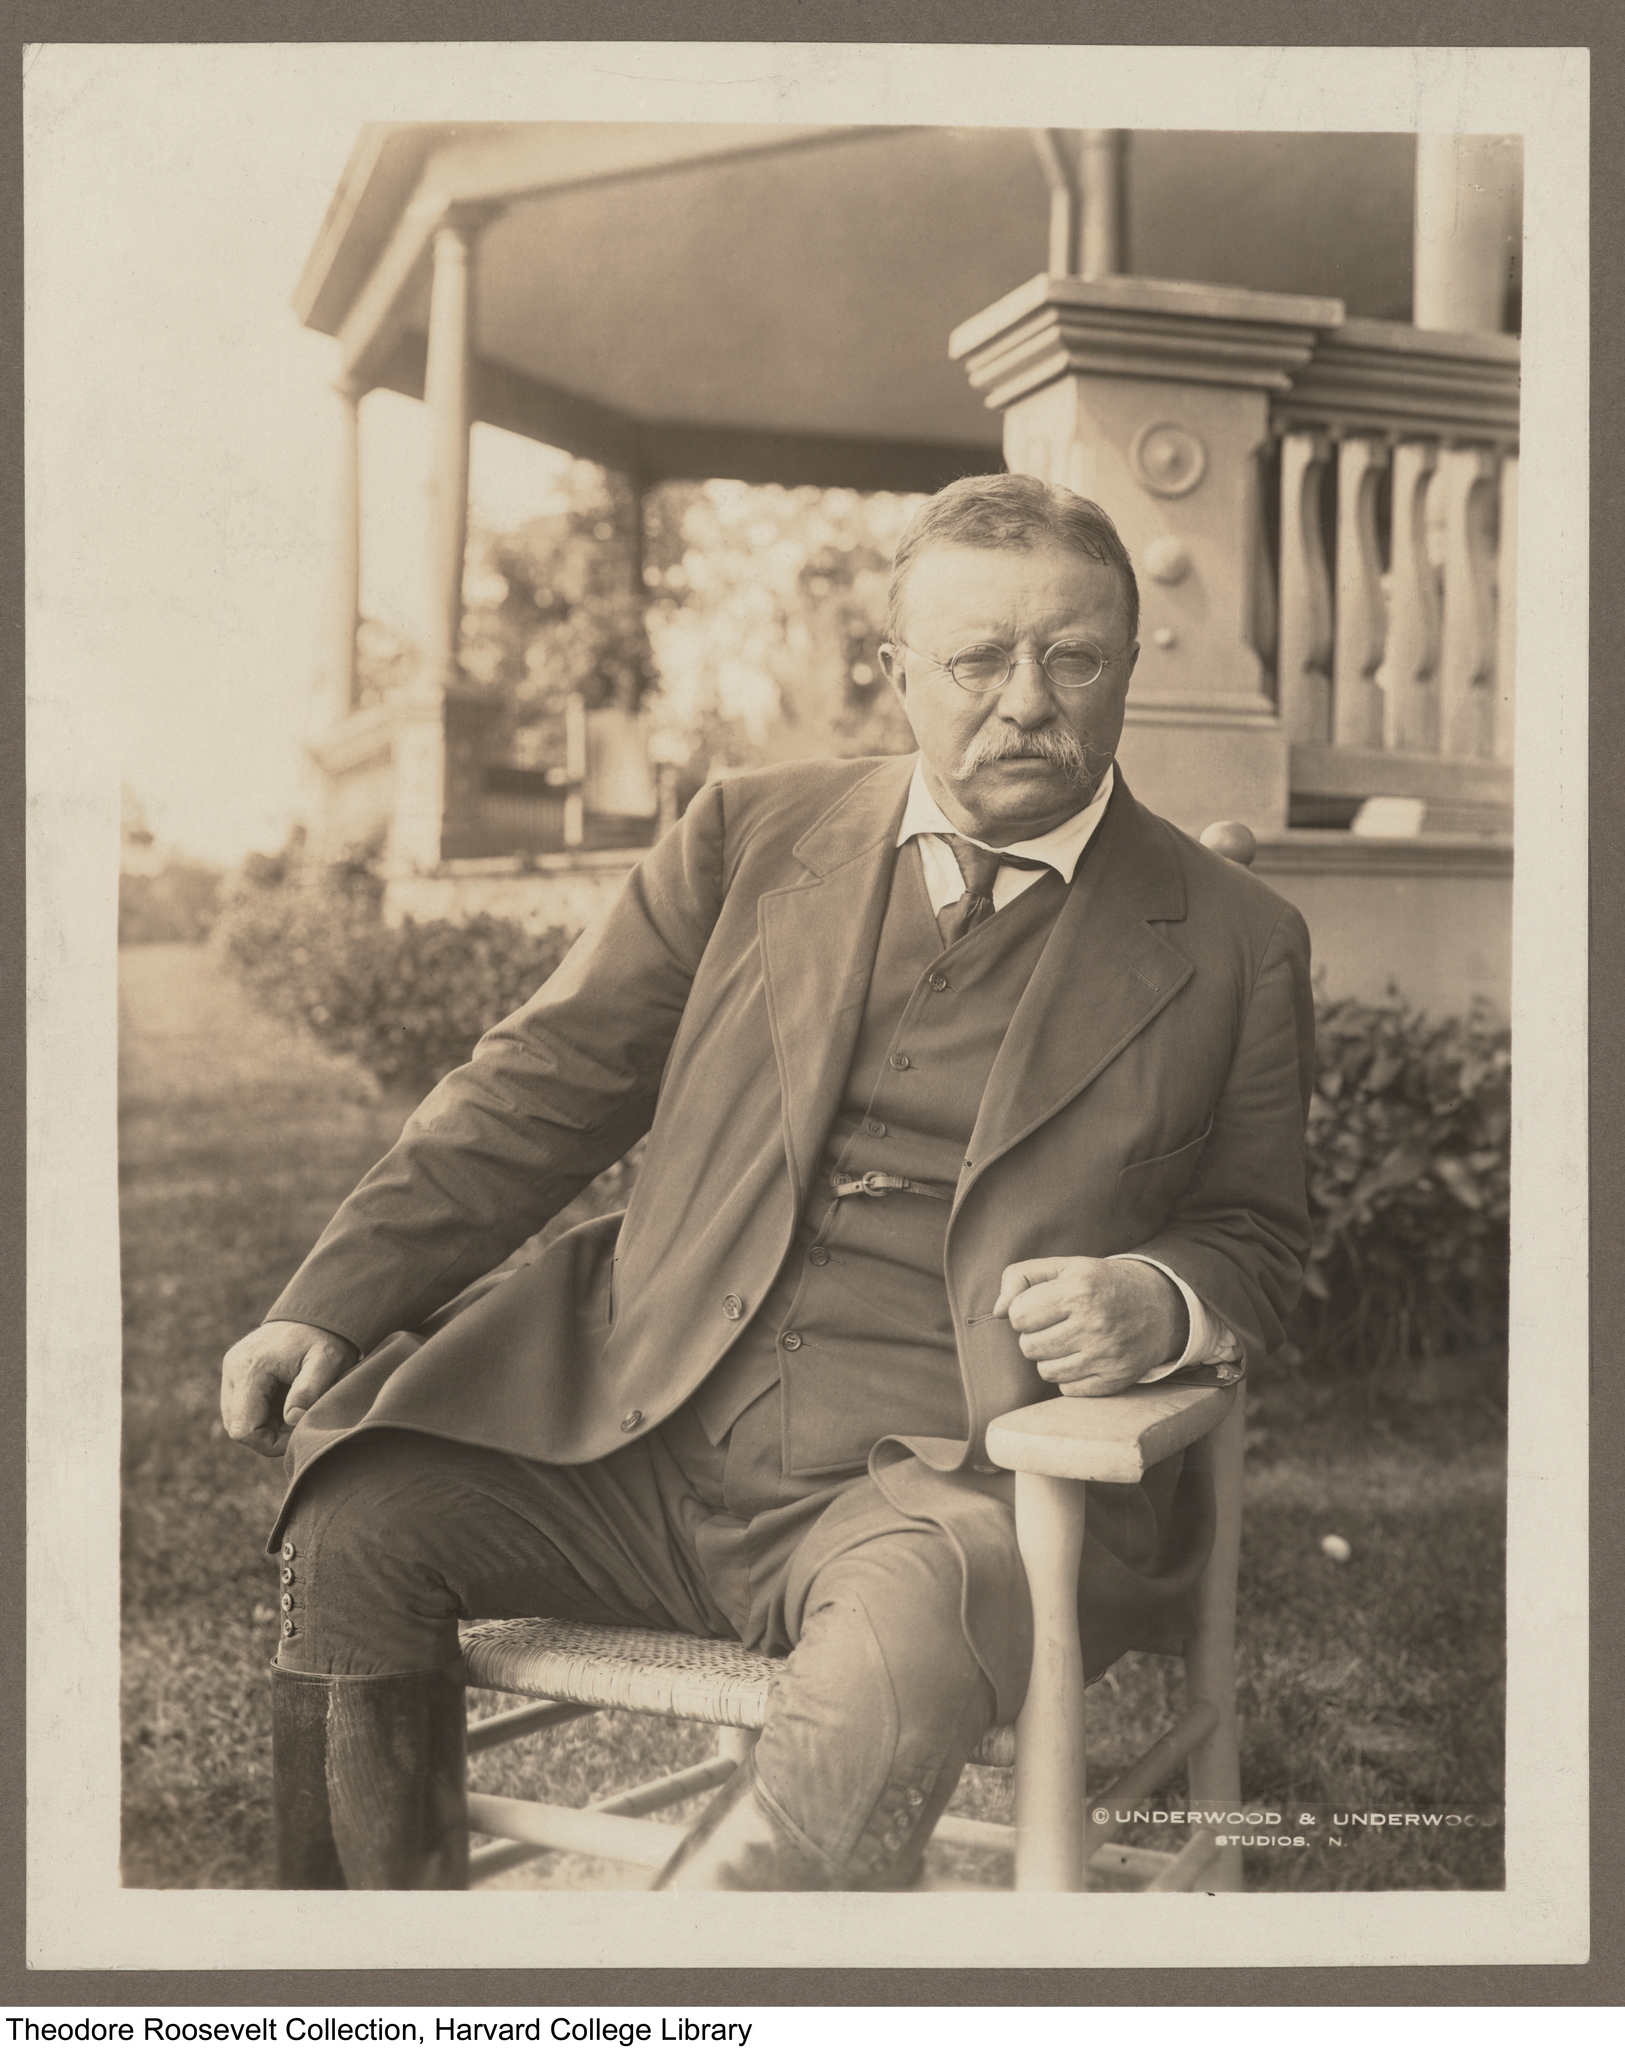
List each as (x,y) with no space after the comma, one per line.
(1306,595)
(1362,613)
(1408,674)
(1467,659)
(1506,624)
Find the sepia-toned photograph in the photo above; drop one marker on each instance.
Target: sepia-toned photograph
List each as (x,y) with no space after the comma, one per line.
(814,975)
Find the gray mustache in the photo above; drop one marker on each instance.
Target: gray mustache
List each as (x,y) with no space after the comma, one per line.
(1047,743)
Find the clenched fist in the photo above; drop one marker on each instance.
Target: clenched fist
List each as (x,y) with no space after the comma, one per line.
(1093,1326)
(273,1375)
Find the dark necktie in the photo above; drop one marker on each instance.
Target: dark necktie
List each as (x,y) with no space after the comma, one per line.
(980,867)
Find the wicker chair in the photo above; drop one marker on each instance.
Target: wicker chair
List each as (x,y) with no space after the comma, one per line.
(570,1669)
(1053,1447)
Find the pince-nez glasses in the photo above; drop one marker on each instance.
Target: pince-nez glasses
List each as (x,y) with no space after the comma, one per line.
(1069,664)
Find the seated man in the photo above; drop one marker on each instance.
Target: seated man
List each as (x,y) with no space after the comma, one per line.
(966,1080)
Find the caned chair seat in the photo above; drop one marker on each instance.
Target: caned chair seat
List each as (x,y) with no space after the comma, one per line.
(646,1671)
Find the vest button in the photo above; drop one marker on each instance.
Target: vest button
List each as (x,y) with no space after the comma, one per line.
(631,1421)
(791,1340)
(818,1256)
(875,1128)
(939,982)
(732,1307)
(899,1060)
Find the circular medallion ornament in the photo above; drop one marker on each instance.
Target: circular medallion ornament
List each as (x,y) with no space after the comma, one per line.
(1168,458)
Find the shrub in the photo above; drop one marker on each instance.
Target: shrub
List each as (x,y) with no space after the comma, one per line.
(407,1001)
(177,905)
(1409,1185)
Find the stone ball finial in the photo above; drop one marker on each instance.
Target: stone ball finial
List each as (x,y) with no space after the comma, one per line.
(1231,840)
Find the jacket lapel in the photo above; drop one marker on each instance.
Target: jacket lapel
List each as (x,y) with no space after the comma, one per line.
(1103,976)
(819,938)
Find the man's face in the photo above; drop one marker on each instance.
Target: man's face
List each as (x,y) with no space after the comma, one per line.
(1019,760)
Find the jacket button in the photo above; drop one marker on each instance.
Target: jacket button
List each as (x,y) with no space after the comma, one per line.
(732,1307)
(631,1421)
(791,1340)
(818,1256)
(289,1552)
(875,1128)
(939,982)
(899,1060)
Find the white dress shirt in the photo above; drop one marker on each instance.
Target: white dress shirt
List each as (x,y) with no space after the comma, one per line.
(1211,1340)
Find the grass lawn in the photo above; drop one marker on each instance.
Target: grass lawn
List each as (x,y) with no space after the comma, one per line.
(1370,1685)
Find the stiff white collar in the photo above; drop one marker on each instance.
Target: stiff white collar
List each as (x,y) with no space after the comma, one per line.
(1060,848)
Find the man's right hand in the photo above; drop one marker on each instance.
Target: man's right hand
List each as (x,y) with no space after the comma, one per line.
(273,1375)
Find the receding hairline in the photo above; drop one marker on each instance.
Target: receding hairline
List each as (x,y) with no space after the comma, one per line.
(1011,513)
(1031,544)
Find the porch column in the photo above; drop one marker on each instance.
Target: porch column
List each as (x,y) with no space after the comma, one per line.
(347,550)
(1464,227)
(418,821)
(1153,398)
(448,393)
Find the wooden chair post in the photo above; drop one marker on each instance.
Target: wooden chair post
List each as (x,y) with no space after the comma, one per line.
(1050,1751)
(1210,1654)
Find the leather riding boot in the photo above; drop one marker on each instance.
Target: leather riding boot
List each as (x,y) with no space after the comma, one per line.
(307,1857)
(396,1816)
(745,1842)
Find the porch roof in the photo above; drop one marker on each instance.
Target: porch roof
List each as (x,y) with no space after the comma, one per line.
(774,302)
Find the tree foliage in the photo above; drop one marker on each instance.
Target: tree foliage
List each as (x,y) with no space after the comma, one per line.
(766,615)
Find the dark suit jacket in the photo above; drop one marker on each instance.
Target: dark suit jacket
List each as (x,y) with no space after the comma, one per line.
(1150,1094)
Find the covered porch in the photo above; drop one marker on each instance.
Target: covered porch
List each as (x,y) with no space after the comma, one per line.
(1279,361)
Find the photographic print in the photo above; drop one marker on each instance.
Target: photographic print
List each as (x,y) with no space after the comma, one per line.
(928,651)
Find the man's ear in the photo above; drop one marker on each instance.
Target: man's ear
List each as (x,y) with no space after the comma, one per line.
(1130,656)
(892,668)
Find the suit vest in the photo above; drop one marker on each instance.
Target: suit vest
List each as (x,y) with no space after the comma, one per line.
(856,1329)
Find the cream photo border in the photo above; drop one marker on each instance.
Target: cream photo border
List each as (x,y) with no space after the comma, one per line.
(79,1916)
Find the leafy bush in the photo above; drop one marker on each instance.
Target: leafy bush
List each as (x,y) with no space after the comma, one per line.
(407,1001)
(1409,1185)
(176,905)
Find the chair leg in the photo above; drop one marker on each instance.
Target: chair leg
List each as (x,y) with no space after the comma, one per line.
(1210,1654)
(738,1743)
(1050,1753)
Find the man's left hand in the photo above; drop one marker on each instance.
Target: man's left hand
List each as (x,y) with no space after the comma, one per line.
(1093,1326)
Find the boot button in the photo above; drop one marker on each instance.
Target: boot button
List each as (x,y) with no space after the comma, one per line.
(289,1553)
(632,1420)
(732,1307)
(914,1796)
(791,1340)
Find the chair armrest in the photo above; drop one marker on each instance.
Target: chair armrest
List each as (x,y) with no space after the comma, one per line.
(1115,1437)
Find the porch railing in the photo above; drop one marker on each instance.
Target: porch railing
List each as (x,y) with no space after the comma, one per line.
(1389,582)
